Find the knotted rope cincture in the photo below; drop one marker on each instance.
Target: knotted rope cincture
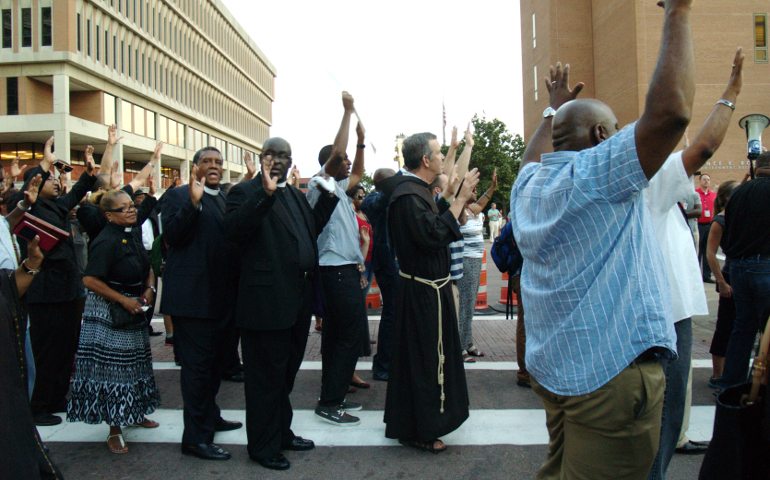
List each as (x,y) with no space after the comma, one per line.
(441,359)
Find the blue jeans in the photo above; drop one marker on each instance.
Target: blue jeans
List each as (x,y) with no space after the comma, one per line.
(677,372)
(751,290)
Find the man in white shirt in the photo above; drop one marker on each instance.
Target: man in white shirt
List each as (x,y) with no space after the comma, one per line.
(666,188)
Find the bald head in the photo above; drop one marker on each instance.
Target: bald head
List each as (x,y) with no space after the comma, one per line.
(276,144)
(381,174)
(582,124)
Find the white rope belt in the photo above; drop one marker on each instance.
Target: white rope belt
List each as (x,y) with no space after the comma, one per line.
(436,285)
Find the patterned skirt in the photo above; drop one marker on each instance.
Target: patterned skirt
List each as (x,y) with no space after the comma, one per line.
(114,381)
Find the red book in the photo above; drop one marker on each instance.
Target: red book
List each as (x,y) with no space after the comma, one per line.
(50,237)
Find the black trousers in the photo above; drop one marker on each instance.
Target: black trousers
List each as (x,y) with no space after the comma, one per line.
(201,346)
(703,240)
(344,306)
(271,359)
(388,286)
(54,332)
(232,364)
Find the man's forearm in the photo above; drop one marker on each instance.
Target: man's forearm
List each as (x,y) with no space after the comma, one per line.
(449,161)
(710,136)
(464,161)
(340,145)
(105,167)
(540,143)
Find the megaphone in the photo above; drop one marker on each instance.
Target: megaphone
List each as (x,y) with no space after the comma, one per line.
(754,124)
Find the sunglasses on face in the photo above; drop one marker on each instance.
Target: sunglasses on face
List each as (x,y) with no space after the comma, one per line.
(360,197)
(123,209)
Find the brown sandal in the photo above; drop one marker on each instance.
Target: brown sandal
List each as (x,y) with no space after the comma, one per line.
(429,447)
(146,423)
(123,447)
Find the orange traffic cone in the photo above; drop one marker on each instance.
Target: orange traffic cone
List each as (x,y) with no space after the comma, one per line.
(481,297)
(373,299)
(504,292)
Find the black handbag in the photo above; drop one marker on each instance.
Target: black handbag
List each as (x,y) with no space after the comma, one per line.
(122,318)
(740,446)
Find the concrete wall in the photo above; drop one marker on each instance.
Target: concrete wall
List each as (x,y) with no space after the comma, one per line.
(88,106)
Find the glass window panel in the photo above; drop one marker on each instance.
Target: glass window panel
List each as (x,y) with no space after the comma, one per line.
(109,109)
(180,136)
(150,124)
(26,27)
(125,121)
(198,140)
(7,28)
(760,33)
(45,23)
(172,125)
(139,120)
(163,127)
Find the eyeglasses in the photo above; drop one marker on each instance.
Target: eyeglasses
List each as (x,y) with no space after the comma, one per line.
(361,197)
(123,209)
(282,156)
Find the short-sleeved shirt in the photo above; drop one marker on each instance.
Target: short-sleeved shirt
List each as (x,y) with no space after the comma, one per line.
(668,185)
(456,250)
(593,275)
(473,236)
(338,244)
(493,214)
(707,201)
(118,256)
(720,219)
(690,202)
(747,219)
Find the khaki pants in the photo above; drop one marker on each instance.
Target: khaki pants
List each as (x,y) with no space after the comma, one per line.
(612,433)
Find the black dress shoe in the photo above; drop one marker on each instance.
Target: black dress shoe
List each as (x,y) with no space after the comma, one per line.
(693,448)
(47,420)
(206,451)
(382,377)
(238,378)
(156,334)
(299,444)
(226,425)
(273,462)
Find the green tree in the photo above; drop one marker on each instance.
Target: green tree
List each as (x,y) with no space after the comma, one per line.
(367,183)
(495,148)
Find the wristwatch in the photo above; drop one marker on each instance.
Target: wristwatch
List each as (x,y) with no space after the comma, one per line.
(549,112)
(151,287)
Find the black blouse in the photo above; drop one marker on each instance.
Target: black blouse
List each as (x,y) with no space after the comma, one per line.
(118,256)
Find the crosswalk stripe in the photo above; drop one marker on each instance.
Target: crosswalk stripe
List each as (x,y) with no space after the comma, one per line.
(480,365)
(483,427)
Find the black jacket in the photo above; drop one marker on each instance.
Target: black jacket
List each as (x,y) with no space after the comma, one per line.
(199,278)
(269,284)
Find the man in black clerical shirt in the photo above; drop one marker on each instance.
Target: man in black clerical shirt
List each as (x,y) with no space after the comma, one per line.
(747,236)
(199,294)
(276,232)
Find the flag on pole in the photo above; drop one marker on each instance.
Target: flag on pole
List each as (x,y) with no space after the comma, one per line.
(443,107)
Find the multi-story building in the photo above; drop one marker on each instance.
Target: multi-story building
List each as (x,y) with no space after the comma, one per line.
(612,46)
(179,71)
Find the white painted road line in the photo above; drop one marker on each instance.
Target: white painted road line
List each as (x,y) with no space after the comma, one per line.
(484,427)
(376,318)
(364,366)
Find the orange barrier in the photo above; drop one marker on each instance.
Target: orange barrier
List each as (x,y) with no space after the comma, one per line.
(481,297)
(373,299)
(504,292)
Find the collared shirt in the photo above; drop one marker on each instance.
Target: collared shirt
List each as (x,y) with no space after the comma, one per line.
(339,243)
(593,276)
(707,200)
(668,185)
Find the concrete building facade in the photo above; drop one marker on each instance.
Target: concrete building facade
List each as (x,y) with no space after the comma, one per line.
(179,71)
(612,46)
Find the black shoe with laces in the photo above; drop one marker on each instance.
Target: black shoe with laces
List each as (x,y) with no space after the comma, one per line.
(336,416)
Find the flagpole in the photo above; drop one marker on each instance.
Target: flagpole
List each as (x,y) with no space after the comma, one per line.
(443,107)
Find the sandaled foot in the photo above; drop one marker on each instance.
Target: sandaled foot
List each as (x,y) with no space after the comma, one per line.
(147,423)
(434,446)
(475,352)
(116,444)
(467,358)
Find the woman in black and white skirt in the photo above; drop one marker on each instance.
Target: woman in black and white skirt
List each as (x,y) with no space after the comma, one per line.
(114,381)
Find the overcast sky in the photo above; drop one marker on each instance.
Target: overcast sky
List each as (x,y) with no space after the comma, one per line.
(398,59)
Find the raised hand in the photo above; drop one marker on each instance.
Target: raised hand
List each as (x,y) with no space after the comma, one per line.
(251,168)
(469,142)
(270,184)
(196,187)
(153,184)
(470,182)
(90,165)
(156,155)
(48,158)
(115,176)
(494,179)
(453,183)
(112,135)
(183,177)
(736,76)
(15,169)
(30,194)
(558,86)
(454,144)
(347,101)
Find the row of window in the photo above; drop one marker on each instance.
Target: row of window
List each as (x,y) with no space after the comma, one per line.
(46,37)
(141,121)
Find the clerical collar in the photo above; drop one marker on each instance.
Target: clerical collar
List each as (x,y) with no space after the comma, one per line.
(127,229)
(211,191)
(282,184)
